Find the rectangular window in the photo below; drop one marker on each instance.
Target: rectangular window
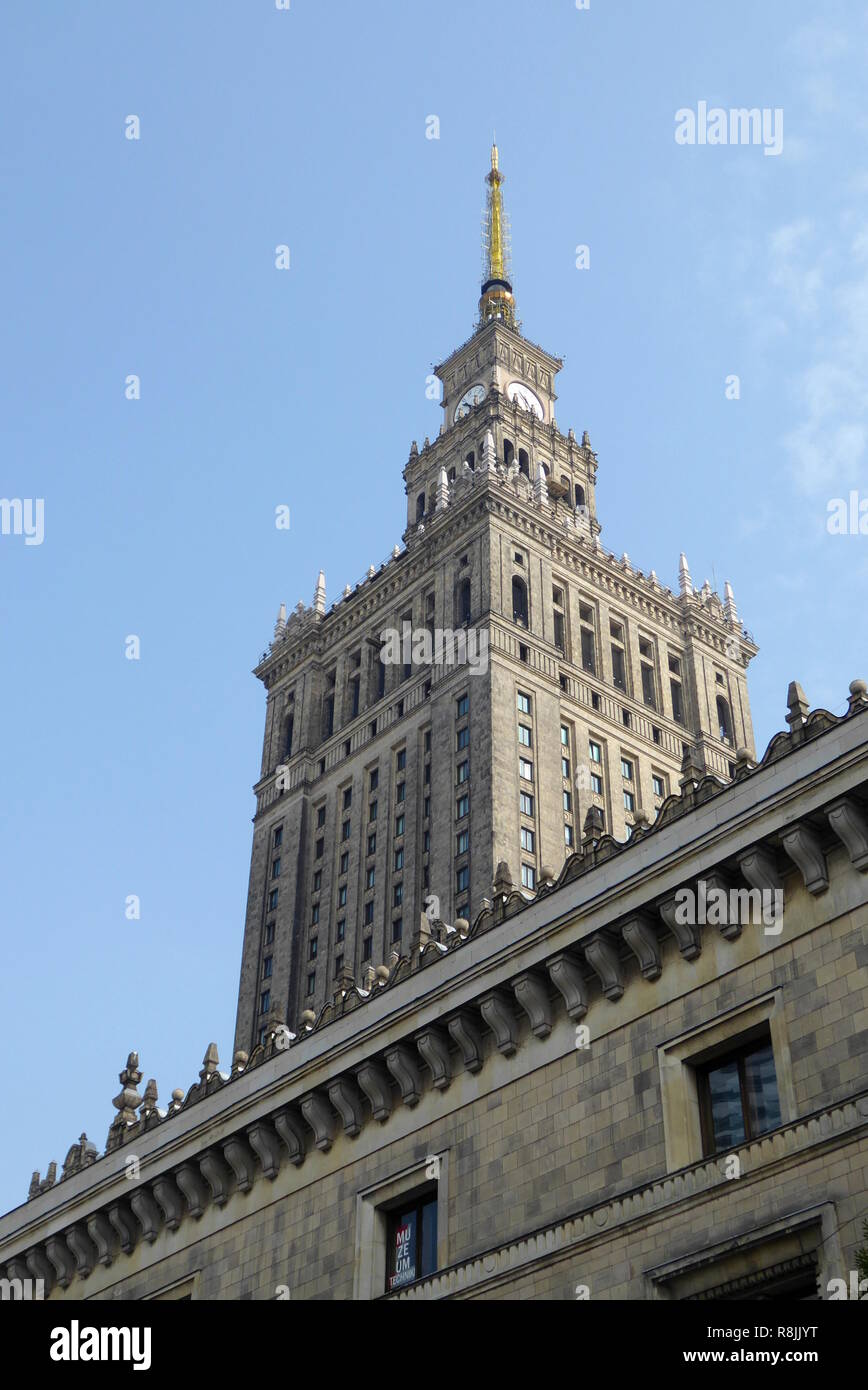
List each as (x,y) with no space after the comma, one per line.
(649,693)
(317,880)
(397,928)
(626,769)
(345,830)
(560,632)
(462,738)
(400,791)
(619,669)
(314,914)
(674,665)
(738,1097)
(320,817)
(411,1245)
(525,804)
(269,933)
(272,899)
(320,846)
(629,801)
(461,706)
(342,895)
(372,843)
(525,769)
(568,801)
(367,948)
(369,913)
(399,825)
(372,811)
(589,655)
(427,744)
(528,876)
(311,982)
(398,895)
(523,702)
(565,736)
(596,784)
(402,759)
(339,965)
(278,837)
(370,876)
(341,929)
(265,1001)
(463,772)
(462,841)
(374,781)
(345,861)
(565,768)
(267,967)
(528,839)
(426,807)
(399,859)
(348,798)
(462,806)
(568,836)
(426,841)
(462,879)
(313,948)
(677,702)
(524,735)
(658,786)
(595,752)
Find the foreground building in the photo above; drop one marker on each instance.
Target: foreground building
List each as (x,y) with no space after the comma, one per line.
(638,1070)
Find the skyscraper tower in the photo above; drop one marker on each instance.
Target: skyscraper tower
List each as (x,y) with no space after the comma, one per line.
(495,691)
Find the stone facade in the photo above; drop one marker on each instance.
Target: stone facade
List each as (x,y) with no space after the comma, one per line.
(537,1071)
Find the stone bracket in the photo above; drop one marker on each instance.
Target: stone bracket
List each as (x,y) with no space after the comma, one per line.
(168,1198)
(122,1222)
(851,827)
(374,1081)
(217,1176)
(344,1096)
(240,1160)
(639,934)
(433,1045)
(266,1145)
(60,1256)
(83,1249)
(803,846)
(402,1065)
(320,1116)
(566,975)
(103,1237)
(292,1133)
(603,959)
(496,1008)
(759,868)
(193,1189)
(147,1213)
(685,933)
(463,1030)
(533,996)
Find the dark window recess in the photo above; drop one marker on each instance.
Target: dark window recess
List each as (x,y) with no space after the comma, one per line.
(328,716)
(649,694)
(560,632)
(619,672)
(724,720)
(519,602)
(589,655)
(411,1251)
(677,701)
(739,1097)
(464,601)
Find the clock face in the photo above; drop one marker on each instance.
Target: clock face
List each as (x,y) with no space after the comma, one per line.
(525,398)
(468,401)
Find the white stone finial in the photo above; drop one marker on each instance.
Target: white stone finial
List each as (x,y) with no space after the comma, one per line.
(685,583)
(319,597)
(280,625)
(489,453)
(442,491)
(347,590)
(729,609)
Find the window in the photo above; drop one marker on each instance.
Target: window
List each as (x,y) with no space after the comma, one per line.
(339,965)
(568,801)
(401,761)
(462,738)
(738,1097)
(345,830)
(354,697)
(463,772)
(320,817)
(464,601)
(278,837)
(341,929)
(462,841)
(569,838)
(595,699)
(595,752)
(398,895)
(275,868)
(265,1001)
(399,825)
(372,843)
(629,801)
(426,807)
(462,879)
(619,669)
(370,876)
(313,948)
(658,786)
(342,895)
(528,876)
(519,601)
(272,899)
(523,702)
(345,861)
(527,839)
(372,811)
(625,718)
(461,706)
(427,741)
(369,913)
(269,933)
(411,1243)
(524,735)
(724,720)
(400,791)
(626,769)
(317,880)
(399,859)
(462,806)
(525,769)
(367,948)
(426,841)
(560,631)
(649,690)
(677,701)
(397,928)
(596,784)
(420,506)
(267,967)
(348,798)
(525,804)
(311,982)
(565,768)
(565,736)
(314,914)
(675,666)
(374,780)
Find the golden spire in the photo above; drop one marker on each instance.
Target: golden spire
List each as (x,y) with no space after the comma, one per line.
(497,301)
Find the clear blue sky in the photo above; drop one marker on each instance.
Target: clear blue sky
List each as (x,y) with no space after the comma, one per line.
(260,387)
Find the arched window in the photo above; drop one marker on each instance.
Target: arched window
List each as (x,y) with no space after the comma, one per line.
(724,719)
(420,506)
(519,601)
(580,496)
(471,460)
(452,475)
(524,462)
(508,451)
(464,601)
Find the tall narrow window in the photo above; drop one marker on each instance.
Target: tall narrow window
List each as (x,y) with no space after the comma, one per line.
(523,462)
(287,737)
(420,506)
(464,601)
(519,601)
(619,661)
(724,719)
